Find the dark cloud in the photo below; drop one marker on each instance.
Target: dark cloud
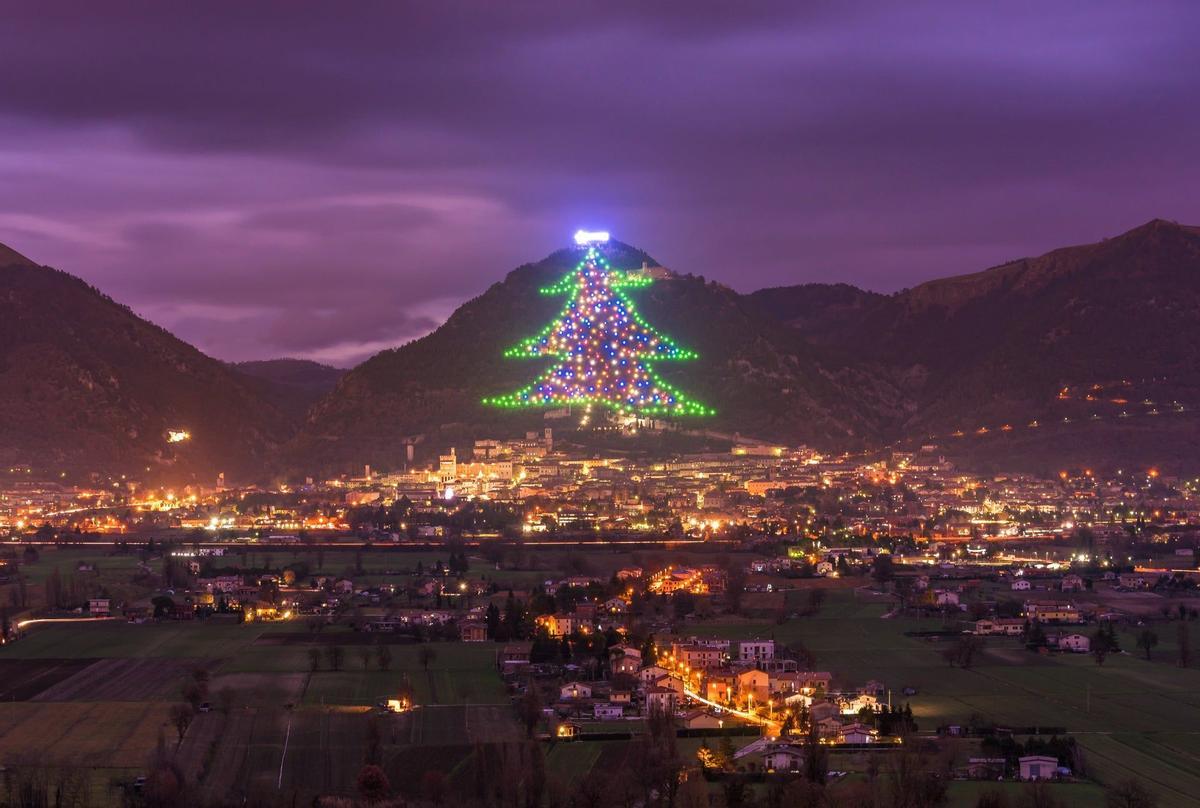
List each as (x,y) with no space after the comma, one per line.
(330,178)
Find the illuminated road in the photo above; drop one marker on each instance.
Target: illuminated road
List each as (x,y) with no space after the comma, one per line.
(772,726)
(38,620)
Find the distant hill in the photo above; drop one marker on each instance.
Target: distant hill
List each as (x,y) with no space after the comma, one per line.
(1116,321)
(88,386)
(293,385)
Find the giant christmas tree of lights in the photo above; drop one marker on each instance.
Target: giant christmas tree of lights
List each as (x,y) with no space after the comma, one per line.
(605,350)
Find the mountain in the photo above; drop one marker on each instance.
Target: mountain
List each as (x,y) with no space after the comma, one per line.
(817,310)
(764,379)
(88,386)
(1085,333)
(292,385)
(1083,356)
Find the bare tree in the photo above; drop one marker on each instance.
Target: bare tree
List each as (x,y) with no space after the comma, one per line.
(181,718)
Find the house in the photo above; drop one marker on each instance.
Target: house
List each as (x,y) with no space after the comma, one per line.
(784,758)
(1133,580)
(615,606)
(514,655)
(873,687)
(575,690)
(625,663)
(1075,643)
(557,625)
(720,687)
(700,657)
(650,674)
(1071,583)
(1037,767)
(98,607)
(620,697)
(473,631)
(945,597)
(1053,612)
(858,733)
(986,768)
(1008,626)
(568,730)
(824,709)
(661,700)
(1021,585)
(817,681)
(824,568)
(829,727)
(753,684)
(755,651)
(701,719)
(670,682)
(608,712)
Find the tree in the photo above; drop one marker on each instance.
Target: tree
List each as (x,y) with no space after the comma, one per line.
(336,654)
(181,718)
(993,798)
(433,786)
(530,709)
(383,657)
(1102,644)
(425,656)
(1146,640)
(816,756)
(226,699)
(882,569)
(1131,794)
(373,785)
(605,350)
(1040,794)
(314,658)
(364,653)
(1184,642)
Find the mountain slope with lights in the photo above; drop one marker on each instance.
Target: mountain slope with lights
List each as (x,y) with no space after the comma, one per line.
(762,379)
(88,386)
(1086,355)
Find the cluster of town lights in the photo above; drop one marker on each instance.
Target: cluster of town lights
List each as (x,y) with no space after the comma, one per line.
(603,345)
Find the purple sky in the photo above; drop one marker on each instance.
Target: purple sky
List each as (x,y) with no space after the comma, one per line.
(329,179)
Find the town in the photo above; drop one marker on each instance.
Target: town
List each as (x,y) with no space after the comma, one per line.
(760,622)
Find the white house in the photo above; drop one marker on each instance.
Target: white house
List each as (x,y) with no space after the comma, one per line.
(575,690)
(1021,585)
(1072,583)
(784,758)
(858,733)
(756,650)
(945,597)
(608,712)
(1076,643)
(1038,767)
(98,607)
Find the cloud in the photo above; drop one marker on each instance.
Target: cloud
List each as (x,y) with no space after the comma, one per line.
(327,178)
